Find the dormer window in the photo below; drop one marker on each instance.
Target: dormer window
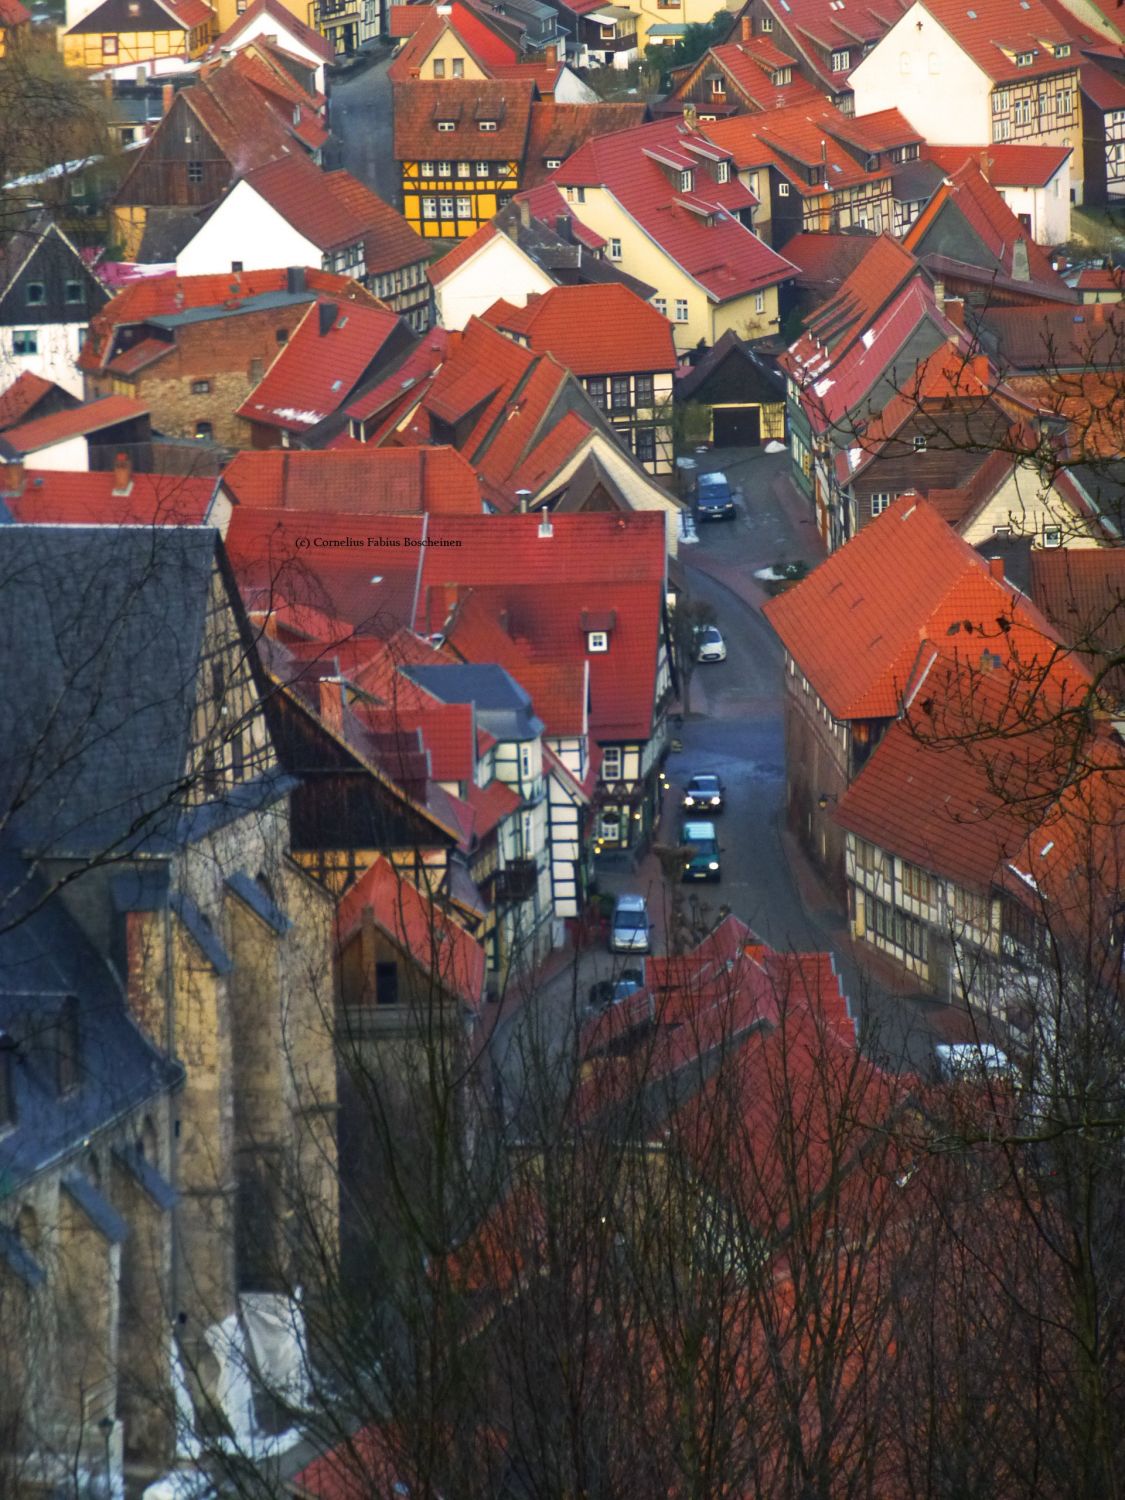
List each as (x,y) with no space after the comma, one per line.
(1024,59)
(687,180)
(722,171)
(553,163)
(486,126)
(840,62)
(1063,50)
(597,640)
(446,126)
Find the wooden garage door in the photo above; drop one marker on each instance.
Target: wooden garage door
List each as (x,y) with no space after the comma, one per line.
(737,426)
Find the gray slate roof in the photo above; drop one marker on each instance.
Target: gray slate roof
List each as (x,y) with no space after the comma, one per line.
(501,705)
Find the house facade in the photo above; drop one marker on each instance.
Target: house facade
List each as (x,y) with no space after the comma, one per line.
(47,298)
(825,45)
(136,31)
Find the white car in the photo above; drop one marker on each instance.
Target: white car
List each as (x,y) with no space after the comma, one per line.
(712,647)
(629,932)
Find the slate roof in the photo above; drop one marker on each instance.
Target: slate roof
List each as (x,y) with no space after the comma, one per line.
(360,481)
(592,330)
(45,956)
(316,373)
(864,622)
(107,729)
(501,705)
(724,257)
(78,421)
(419,105)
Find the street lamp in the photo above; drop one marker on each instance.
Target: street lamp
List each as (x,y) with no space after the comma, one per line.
(824,799)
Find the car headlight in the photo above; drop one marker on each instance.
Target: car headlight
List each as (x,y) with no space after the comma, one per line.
(689,801)
(714,801)
(714,865)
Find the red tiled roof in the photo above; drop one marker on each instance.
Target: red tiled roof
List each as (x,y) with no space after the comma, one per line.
(1081,590)
(439,946)
(884,128)
(724,257)
(12,13)
(750,67)
(406,383)
(1007,165)
(864,622)
(592,330)
(138,356)
(994,31)
(1101,87)
(1058,340)
(185,14)
(389,242)
(22,396)
(959,505)
(420,104)
(557,131)
(62,498)
(93,416)
(885,268)
(818,26)
(303,195)
(801,133)
(1103,279)
(825,259)
(485,46)
(359,480)
(316,373)
(462,251)
(547,204)
(559,444)
(287,21)
(490,805)
(982,210)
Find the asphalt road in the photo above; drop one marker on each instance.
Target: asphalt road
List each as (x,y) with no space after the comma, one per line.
(363,128)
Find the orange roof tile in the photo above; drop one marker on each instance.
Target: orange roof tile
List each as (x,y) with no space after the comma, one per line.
(58,498)
(78,421)
(22,396)
(420,104)
(309,38)
(389,242)
(994,32)
(360,480)
(1008,164)
(557,131)
(593,330)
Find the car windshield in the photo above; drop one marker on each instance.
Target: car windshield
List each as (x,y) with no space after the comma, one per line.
(713,482)
(703,784)
(711,635)
(628,921)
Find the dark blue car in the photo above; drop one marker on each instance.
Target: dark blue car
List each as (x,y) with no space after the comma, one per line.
(714,499)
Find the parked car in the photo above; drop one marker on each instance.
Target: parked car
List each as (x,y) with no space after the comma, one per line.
(971,1061)
(714,499)
(630,928)
(712,647)
(606,992)
(704,792)
(702,845)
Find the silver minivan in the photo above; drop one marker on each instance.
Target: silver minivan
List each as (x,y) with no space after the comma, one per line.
(629,931)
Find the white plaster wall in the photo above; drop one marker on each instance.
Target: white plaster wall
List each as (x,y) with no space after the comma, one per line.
(72,456)
(499,269)
(245,228)
(919,69)
(571,90)
(57,358)
(1048,206)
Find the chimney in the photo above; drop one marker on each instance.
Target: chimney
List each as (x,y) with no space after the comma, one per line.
(545,527)
(503,621)
(996,568)
(955,311)
(1021,271)
(525,213)
(523,496)
(939,294)
(167,94)
(326,315)
(122,474)
(11,477)
(332,704)
(1099,313)
(564,228)
(746,29)
(551,54)
(295,279)
(978,364)
(141,75)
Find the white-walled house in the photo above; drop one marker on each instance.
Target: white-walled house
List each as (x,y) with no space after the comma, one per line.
(1034,182)
(269,18)
(1009,73)
(47,298)
(474,273)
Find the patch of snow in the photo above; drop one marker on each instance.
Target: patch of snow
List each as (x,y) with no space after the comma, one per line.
(773,446)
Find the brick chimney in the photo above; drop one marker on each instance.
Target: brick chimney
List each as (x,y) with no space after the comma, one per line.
(332,704)
(326,313)
(1021,269)
(525,212)
(996,568)
(551,54)
(939,293)
(745,29)
(955,310)
(12,477)
(122,474)
(167,94)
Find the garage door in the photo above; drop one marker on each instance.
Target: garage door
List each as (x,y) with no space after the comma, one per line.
(737,426)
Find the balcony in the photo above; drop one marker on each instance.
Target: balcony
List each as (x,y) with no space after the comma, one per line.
(516,882)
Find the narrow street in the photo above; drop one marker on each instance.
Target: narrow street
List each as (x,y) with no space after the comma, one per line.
(734,729)
(363,128)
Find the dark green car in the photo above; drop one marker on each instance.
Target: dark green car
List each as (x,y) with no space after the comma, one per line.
(702,845)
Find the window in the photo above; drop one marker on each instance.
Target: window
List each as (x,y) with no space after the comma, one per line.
(458,67)
(464,169)
(445,208)
(879,502)
(661,305)
(840,62)
(644,391)
(200,387)
(282,336)
(204,431)
(619,393)
(1063,50)
(1025,111)
(1064,102)
(66,1042)
(439,67)
(464,208)
(109,46)
(971,908)
(896,928)
(386,983)
(681,310)
(919,443)
(25,341)
(445,169)
(195,172)
(916,883)
(904,64)
(1052,536)
(74,293)
(645,445)
(717,84)
(686,180)
(597,640)
(256,369)
(446,127)
(783,190)
(36,294)
(1024,59)
(722,171)
(615,249)
(427,168)
(611,755)
(766,23)
(483,169)
(759,302)
(1001,102)
(429,208)
(1001,130)
(487,126)
(595,389)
